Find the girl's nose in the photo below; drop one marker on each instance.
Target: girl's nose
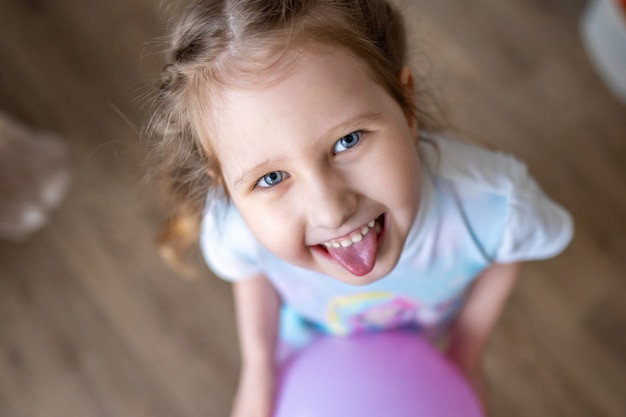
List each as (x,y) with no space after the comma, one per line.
(329,202)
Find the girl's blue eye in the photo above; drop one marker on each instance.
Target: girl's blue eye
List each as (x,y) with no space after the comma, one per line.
(347,142)
(271,179)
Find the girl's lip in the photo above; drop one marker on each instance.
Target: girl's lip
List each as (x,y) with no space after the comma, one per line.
(377,220)
(354,236)
(381,221)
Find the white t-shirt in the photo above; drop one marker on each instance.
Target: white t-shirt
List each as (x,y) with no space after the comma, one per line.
(477,207)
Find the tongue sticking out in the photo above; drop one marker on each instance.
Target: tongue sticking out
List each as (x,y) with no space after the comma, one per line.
(358,258)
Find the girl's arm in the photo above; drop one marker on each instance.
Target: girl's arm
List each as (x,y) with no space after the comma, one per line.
(476,321)
(257,306)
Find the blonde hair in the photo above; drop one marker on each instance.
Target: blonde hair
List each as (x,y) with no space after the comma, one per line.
(216,39)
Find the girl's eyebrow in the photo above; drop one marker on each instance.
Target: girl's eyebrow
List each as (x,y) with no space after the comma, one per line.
(352,123)
(244,179)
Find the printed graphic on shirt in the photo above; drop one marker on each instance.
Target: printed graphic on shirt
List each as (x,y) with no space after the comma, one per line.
(384,310)
(370,311)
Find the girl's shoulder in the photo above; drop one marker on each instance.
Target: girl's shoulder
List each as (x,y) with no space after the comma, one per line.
(470,166)
(489,185)
(227,243)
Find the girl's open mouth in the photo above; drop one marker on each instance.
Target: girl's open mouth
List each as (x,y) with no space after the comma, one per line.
(357,251)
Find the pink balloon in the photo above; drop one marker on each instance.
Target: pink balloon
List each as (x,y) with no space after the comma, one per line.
(387,374)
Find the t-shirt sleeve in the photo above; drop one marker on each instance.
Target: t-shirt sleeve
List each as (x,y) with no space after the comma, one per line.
(228,246)
(536,227)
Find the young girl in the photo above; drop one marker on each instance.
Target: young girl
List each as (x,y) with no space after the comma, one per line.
(293,131)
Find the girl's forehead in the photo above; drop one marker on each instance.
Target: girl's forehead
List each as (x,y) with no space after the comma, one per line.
(247,72)
(321,97)
(298,76)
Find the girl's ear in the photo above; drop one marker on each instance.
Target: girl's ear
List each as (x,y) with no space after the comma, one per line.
(408,83)
(216,177)
(406,79)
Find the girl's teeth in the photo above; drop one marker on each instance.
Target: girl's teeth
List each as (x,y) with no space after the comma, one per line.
(354,237)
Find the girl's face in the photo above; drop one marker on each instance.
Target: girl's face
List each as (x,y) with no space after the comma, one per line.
(320,156)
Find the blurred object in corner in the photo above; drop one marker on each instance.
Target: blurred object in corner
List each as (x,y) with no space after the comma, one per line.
(33,178)
(603,29)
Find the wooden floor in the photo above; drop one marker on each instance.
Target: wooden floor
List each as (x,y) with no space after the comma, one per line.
(92,323)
